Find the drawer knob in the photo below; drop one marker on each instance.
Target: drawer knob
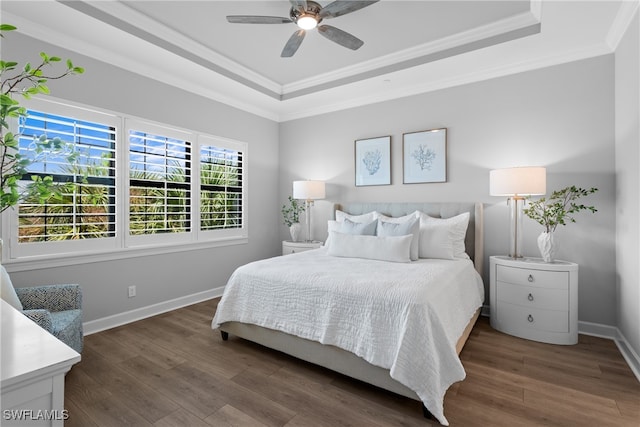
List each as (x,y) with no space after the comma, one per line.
(530,278)
(530,297)
(530,318)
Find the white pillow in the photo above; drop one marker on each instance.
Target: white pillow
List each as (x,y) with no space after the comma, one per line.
(7,292)
(393,248)
(341,216)
(368,217)
(402,228)
(361,228)
(404,218)
(331,226)
(443,237)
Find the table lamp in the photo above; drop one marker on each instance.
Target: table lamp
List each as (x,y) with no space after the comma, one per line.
(516,183)
(308,191)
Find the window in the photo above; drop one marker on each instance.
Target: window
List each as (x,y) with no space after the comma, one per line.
(131,185)
(87,208)
(159,184)
(221,171)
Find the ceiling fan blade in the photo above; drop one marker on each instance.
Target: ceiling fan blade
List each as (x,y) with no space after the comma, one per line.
(293,44)
(342,7)
(250,19)
(341,37)
(301,5)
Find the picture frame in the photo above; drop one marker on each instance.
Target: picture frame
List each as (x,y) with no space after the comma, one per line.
(424,158)
(373,161)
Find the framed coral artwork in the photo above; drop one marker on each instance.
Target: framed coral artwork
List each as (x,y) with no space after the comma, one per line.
(373,161)
(425,156)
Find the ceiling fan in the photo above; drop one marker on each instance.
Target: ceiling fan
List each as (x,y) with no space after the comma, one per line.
(307,14)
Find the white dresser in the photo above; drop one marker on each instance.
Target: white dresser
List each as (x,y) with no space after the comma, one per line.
(33,367)
(535,300)
(289,247)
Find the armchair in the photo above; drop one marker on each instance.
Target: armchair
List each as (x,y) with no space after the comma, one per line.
(55,308)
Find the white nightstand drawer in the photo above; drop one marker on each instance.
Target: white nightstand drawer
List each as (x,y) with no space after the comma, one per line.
(535,300)
(289,247)
(530,277)
(287,250)
(532,296)
(516,320)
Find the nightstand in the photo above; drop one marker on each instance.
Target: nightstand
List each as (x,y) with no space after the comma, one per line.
(289,247)
(535,300)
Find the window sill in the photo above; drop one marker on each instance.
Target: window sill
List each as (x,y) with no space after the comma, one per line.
(61,260)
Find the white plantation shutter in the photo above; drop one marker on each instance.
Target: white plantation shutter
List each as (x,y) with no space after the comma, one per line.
(87,210)
(159,183)
(221,178)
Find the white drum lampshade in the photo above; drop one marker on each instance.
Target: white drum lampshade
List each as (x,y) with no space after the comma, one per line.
(522,181)
(308,190)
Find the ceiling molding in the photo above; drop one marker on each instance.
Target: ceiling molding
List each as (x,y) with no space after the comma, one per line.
(473,77)
(625,15)
(78,44)
(150,58)
(120,16)
(524,21)
(425,59)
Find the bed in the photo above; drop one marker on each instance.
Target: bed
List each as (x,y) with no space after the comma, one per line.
(402,335)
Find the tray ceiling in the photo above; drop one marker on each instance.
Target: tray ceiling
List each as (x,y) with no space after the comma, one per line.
(410,46)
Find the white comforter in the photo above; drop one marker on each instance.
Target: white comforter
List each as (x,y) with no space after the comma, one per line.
(402,317)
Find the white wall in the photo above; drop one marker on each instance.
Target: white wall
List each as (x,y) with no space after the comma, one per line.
(162,277)
(560,117)
(627,129)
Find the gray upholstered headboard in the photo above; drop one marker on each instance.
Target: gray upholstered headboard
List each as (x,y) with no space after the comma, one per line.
(474,240)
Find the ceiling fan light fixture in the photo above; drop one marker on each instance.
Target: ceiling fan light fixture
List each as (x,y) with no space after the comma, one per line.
(307,22)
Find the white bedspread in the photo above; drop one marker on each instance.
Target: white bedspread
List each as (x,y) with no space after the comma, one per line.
(405,317)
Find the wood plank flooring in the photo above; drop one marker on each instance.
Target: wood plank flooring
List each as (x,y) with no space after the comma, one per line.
(173,370)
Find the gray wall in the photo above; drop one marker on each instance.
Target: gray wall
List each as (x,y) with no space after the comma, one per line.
(627,128)
(560,117)
(162,277)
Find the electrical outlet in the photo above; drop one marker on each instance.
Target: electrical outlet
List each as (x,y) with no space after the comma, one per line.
(132,291)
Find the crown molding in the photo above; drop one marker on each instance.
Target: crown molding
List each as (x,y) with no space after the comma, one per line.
(164,75)
(485,74)
(421,53)
(204,82)
(626,13)
(120,16)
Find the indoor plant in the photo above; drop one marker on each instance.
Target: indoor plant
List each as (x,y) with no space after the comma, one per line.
(25,81)
(291,215)
(558,209)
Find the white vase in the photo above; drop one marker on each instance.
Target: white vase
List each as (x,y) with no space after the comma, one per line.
(547,246)
(294,230)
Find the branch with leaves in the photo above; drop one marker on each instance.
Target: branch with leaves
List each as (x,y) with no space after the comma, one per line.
(25,81)
(291,213)
(559,208)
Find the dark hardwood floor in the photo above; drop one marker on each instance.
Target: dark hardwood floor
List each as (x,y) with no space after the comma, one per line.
(173,370)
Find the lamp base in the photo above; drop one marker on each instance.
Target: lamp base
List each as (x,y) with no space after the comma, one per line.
(515,241)
(309,204)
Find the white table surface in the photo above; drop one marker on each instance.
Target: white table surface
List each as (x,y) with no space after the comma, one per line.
(28,350)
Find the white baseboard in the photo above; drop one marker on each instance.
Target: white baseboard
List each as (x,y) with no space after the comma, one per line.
(120,319)
(613,333)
